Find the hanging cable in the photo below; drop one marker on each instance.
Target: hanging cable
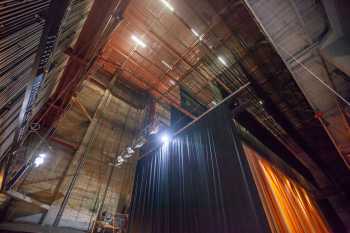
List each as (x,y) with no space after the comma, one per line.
(315,76)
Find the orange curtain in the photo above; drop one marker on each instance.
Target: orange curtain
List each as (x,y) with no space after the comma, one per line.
(289,208)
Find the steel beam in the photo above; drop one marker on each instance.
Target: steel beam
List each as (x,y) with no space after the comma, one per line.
(81,107)
(25,198)
(91,39)
(64,142)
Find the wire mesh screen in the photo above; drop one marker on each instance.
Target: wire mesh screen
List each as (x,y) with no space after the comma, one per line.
(198,182)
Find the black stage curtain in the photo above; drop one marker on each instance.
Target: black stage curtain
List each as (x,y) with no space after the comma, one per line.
(199,182)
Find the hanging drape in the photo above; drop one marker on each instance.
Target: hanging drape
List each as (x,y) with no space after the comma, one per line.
(197,183)
(202,182)
(288,206)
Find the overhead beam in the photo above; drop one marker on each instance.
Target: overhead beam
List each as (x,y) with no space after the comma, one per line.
(81,107)
(181,57)
(25,198)
(161,96)
(64,142)
(91,39)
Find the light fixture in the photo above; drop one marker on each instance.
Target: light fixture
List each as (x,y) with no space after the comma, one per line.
(130,150)
(200,37)
(39,160)
(138,41)
(154,128)
(222,60)
(140,142)
(194,32)
(120,159)
(165,138)
(168,5)
(118,164)
(261,102)
(126,156)
(166,65)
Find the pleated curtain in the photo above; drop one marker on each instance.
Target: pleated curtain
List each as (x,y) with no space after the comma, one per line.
(197,183)
(207,181)
(288,206)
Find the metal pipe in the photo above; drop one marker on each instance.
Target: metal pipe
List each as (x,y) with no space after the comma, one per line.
(181,57)
(82,151)
(224,101)
(111,170)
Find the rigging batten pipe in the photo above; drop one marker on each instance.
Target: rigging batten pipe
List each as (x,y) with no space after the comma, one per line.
(224,101)
(111,171)
(82,151)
